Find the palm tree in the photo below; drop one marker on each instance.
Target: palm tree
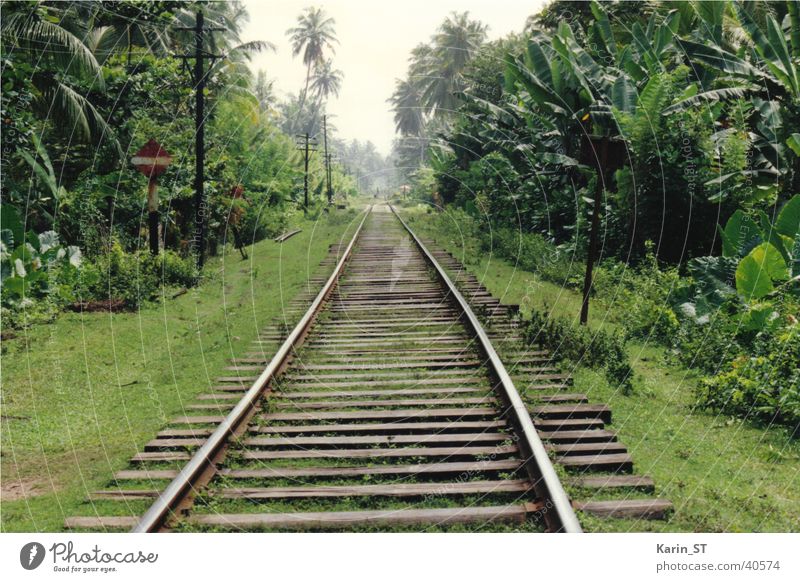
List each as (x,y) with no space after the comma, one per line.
(230,17)
(264,90)
(126,27)
(296,118)
(313,35)
(326,81)
(455,43)
(34,33)
(409,113)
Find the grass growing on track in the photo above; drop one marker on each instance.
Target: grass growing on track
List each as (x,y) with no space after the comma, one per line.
(83,394)
(721,474)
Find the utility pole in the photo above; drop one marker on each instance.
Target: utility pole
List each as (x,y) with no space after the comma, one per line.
(199,82)
(330,179)
(306,146)
(327,158)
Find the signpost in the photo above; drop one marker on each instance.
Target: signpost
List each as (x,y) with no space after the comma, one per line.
(152,160)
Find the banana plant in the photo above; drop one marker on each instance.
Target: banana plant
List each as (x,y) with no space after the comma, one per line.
(770,252)
(571,85)
(595,96)
(766,69)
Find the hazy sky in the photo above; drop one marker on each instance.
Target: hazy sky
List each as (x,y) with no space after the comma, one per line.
(375,39)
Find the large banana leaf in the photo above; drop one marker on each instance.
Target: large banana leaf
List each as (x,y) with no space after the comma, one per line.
(624,96)
(602,26)
(712,15)
(771,47)
(793,7)
(707,96)
(720,59)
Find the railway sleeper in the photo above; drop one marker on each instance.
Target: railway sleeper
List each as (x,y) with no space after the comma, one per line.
(347,520)
(446,488)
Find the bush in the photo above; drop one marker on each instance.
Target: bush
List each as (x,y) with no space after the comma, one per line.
(260,222)
(133,278)
(706,347)
(27,313)
(765,385)
(592,348)
(534,253)
(172,269)
(37,272)
(643,294)
(341,217)
(130,277)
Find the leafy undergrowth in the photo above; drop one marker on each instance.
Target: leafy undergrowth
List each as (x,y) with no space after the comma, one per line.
(722,474)
(83,394)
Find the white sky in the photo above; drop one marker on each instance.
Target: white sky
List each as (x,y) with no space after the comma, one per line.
(376,38)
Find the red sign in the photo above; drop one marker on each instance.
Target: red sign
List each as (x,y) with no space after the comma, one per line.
(152,159)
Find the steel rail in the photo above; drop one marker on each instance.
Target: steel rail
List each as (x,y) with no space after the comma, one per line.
(546,483)
(158,513)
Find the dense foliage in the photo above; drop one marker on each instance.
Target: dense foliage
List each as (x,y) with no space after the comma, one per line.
(683,116)
(85,85)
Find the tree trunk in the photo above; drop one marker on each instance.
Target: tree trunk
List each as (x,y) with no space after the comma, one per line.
(305,91)
(594,233)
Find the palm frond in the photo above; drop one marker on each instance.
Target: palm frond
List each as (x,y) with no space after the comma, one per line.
(62,102)
(53,42)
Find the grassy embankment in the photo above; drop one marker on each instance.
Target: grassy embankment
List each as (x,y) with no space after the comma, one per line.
(83,394)
(722,474)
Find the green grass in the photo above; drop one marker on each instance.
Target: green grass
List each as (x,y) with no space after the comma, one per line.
(84,393)
(721,474)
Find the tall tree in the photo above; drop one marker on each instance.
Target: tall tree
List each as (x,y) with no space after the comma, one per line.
(264,90)
(409,115)
(454,44)
(326,81)
(313,36)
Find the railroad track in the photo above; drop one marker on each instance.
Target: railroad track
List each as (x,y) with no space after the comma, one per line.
(386,407)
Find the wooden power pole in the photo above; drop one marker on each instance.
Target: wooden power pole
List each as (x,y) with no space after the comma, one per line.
(327,159)
(199,81)
(306,145)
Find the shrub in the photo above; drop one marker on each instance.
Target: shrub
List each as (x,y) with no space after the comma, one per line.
(340,217)
(535,253)
(643,295)
(530,251)
(172,269)
(133,278)
(37,272)
(591,348)
(707,346)
(765,385)
(130,277)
